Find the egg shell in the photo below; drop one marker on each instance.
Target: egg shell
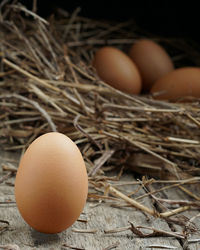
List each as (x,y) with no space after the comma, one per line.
(115,68)
(152,61)
(51,183)
(179,83)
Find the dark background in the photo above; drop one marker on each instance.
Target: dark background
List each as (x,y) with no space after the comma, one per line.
(165,18)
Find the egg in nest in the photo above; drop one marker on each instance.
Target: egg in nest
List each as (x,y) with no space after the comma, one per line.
(115,68)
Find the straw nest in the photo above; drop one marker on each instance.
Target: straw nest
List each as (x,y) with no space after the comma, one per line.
(48,84)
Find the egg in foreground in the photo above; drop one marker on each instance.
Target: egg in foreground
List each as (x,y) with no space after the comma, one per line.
(115,68)
(51,184)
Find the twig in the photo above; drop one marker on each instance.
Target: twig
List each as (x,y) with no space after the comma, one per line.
(116,230)
(191,220)
(155,233)
(5,227)
(77,126)
(160,246)
(72,19)
(29,75)
(134,203)
(34,8)
(193,119)
(193,195)
(72,247)
(10,247)
(99,163)
(114,245)
(188,181)
(144,109)
(177,183)
(100,42)
(36,105)
(87,231)
(9,167)
(179,202)
(5,177)
(74,89)
(194,241)
(139,206)
(174,211)
(182,140)
(22,8)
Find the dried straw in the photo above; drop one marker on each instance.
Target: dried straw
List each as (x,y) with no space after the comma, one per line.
(48,84)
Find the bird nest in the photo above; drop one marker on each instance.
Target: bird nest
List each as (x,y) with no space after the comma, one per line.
(48,84)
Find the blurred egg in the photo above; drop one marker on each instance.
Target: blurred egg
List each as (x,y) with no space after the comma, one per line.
(115,68)
(179,83)
(51,183)
(152,61)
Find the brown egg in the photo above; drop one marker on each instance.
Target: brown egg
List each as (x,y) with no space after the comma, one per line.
(179,83)
(116,69)
(152,61)
(51,184)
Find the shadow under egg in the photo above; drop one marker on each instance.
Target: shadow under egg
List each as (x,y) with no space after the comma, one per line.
(43,238)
